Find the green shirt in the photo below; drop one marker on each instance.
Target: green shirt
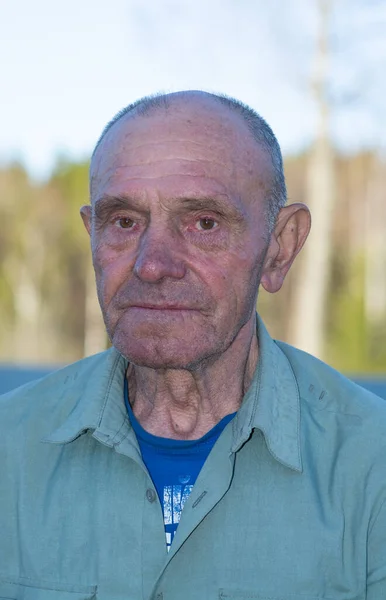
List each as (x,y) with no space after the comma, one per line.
(290,504)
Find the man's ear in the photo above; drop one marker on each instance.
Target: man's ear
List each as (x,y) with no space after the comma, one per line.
(85,213)
(292,227)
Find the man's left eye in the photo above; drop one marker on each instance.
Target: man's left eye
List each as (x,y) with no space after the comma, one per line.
(206,224)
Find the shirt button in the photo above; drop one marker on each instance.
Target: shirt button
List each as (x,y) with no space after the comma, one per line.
(150,495)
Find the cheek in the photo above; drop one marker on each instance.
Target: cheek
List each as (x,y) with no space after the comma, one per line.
(231,277)
(112,269)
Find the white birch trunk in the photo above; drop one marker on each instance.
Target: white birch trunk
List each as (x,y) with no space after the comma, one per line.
(309,298)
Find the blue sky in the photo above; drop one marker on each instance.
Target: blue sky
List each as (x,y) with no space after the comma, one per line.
(68,67)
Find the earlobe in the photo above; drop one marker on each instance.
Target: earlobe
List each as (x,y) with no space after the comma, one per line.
(85,213)
(291,231)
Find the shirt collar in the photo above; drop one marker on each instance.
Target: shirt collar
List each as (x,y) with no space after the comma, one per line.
(94,391)
(271,403)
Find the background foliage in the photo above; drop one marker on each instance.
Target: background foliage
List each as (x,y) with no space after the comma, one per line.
(47,294)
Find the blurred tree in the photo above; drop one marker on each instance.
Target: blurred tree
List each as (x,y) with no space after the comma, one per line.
(310,295)
(21,269)
(347,71)
(47,289)
(375,258)
(43,242)
(70,183)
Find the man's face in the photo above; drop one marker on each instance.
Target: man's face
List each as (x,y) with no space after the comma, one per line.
(178,233)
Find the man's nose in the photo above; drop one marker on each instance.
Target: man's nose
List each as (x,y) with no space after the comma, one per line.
(159,256)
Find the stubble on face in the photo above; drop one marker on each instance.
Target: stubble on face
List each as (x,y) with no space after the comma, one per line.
(206,282)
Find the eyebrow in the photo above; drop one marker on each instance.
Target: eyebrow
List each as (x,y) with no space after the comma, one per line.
(106,205)
(224,209)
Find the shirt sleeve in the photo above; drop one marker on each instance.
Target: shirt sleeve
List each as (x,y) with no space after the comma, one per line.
(376,557)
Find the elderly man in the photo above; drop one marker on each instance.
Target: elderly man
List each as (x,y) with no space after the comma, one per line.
(197,458)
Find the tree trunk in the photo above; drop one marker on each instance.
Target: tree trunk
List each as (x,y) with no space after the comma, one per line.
(375,250)
(309,298)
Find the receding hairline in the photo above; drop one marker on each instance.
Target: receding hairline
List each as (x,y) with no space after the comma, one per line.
(155,103)
(261,133)
(152,105)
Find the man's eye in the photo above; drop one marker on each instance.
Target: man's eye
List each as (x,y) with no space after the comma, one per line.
(125,223)
(206,224)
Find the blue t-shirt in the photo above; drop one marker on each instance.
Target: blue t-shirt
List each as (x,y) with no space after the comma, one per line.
(173,465)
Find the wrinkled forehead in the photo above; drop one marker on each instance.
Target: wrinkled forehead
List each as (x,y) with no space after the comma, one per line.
(204,138)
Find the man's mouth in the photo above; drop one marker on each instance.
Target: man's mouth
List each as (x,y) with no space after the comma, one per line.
(155,307)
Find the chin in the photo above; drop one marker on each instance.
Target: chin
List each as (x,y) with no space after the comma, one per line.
(172,353)
(168,342)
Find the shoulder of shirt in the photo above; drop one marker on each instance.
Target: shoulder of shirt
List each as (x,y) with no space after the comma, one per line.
(322,388)
(54,394)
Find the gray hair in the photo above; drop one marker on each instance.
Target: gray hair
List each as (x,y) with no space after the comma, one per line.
(259,128)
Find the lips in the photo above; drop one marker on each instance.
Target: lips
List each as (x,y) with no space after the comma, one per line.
(161,307)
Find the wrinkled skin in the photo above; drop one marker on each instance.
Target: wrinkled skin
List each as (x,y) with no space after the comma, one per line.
(179,236)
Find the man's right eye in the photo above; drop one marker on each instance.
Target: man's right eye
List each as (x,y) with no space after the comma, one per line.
(125,223)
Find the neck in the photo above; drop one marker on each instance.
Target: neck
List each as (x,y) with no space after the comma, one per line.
(184,404)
